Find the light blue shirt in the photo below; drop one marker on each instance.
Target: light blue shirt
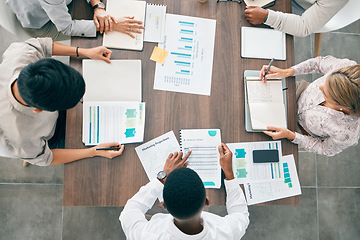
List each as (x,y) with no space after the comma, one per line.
(36,13)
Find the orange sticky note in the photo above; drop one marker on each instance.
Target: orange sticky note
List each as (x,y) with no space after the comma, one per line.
(159,55)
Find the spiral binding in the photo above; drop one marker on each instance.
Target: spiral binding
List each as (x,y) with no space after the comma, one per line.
(156,4)
(180,141)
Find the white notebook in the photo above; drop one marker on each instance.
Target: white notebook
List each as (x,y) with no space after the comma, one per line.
(204,158)
(118,81)
(155,23)
(260,3)
(265,103)
(112,107)
(125,8)
(263,43)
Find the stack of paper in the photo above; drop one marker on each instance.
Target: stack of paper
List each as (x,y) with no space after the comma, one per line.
(264,182)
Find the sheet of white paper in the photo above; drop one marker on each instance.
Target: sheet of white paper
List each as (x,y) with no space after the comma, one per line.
(245,170)
(121,122)
(260,92)
(269,191)
(204,158)
(118,81)
(188,67)
(263,115)
(263,43)
(153,154)
(155,23)
(125,8)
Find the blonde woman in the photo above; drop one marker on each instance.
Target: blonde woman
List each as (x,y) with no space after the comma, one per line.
(328,109)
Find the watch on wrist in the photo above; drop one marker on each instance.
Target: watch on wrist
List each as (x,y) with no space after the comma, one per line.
(99,5)
(161,176)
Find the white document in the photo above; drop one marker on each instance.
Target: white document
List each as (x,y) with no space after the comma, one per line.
(118,81)
(204,158)
(246,171)
(154,153)
(155,23)
(266,104)
(259,3)
(188,67)
(269,191)
(125,8)
(105,122)
(263,43)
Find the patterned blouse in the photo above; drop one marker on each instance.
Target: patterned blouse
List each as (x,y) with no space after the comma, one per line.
(330,131)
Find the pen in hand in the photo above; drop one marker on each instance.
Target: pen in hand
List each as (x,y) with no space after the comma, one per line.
(110,148)
(271,62)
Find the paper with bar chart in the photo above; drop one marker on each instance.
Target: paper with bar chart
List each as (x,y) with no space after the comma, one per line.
(188,67)
(269,191)
(105,121)
(246,171)
(204,158)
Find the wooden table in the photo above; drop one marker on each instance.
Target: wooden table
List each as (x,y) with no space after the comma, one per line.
(103,182)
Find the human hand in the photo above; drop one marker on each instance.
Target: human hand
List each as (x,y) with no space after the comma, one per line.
(278,133)
(226,161)
(103,21)
(255,15)
(175,160)
(128,25)
(108,153)
(275,72)
(98,53)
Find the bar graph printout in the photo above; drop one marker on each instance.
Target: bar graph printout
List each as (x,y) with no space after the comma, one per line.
(204,158)
(106,121)
(188,67)
(246,171)
(269,191)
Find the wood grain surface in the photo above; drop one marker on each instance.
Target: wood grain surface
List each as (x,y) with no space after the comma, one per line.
(111,182)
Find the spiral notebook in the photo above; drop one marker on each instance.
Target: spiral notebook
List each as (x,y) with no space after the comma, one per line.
(204,158)
(155,23)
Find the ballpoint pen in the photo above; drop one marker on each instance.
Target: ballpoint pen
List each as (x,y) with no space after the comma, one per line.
(272,60)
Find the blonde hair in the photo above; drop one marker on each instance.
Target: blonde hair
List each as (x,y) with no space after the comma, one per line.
(344,88)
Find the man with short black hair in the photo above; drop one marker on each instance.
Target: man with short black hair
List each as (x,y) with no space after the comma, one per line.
(33,89)
(184,197)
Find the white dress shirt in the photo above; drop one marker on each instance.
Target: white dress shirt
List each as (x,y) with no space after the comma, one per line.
(315,17)
(36,13)
(161,226)
(330,131)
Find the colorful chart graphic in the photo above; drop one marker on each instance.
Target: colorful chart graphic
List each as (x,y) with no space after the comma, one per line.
(287,175)
(130,123)
(240,163)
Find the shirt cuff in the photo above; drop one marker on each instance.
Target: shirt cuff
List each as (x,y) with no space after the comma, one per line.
(231,184)
(297,138)
(271,18)
(156,184)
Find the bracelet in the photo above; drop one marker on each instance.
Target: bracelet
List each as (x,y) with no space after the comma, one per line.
(77,51)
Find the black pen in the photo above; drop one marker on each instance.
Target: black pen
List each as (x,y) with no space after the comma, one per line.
(272,60)
(111,148)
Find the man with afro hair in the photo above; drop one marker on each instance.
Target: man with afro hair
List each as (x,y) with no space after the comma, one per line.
(185,197)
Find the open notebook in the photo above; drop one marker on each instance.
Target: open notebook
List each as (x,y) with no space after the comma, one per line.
(112,108)
(264,103)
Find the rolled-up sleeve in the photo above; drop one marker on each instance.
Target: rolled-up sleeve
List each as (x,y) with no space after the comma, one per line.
(58,13)
(309,22)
